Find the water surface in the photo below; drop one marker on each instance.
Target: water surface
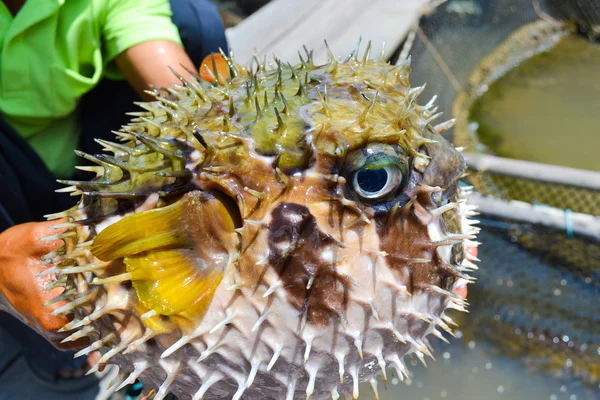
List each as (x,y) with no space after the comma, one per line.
(547,109)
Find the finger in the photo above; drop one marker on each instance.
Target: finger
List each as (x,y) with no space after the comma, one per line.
(46,229)
(49,322)
(472,250)
(93,358)
(460,288)
(214,67)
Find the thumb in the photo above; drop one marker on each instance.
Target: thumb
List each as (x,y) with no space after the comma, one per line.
(43,236)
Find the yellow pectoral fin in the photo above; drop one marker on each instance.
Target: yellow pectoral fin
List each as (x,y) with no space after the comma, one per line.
(174,281)
(156,324)
(202,220)
(134,234)
(175,256)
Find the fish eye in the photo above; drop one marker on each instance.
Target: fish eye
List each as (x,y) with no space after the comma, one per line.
(374,183)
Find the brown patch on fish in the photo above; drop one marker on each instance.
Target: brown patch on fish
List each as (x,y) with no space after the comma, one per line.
(296,247)
(407,239)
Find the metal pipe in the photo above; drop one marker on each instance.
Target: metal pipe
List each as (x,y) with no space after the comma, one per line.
(571,222)
(534,171)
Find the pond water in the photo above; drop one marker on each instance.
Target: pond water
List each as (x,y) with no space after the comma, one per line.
(547,109)
(533,331)
(472,370)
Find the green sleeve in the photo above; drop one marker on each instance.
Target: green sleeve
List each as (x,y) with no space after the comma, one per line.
(127,23)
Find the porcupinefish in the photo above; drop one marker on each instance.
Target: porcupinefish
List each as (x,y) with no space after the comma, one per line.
(286,231)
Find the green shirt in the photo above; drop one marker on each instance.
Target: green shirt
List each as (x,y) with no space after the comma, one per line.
(54,51)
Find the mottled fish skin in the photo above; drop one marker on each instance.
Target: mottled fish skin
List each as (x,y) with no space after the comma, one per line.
(230,248)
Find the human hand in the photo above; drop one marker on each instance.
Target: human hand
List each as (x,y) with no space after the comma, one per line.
(460,287)
(20,265)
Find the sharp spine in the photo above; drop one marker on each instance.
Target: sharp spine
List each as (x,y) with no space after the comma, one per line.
(66,295)
(79,334)
(340,359)
(260,320)
(382,364)
(96,345)
(291,389)
(272,288)
(139,368)
(113,279)
(252,374)
(60,236)
(308,343)
(312,376)
(334,394)
(354,374)
(373,383)
(83,299)
(230,315)
(214,378)
(399,366)
(164,388)
(436,212)
(276,355)
(148,334)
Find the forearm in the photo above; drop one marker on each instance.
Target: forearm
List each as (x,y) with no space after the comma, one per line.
(148,64)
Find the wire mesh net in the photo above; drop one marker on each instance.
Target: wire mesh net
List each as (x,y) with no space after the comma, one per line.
(574,198)
(537,297)
(452,39)
(585,12)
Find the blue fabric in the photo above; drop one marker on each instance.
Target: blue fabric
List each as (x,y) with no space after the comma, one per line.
(200,27)
(42,358)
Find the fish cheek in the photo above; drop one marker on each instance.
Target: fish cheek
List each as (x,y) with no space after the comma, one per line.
(446,165)
(296,245)
(404,237)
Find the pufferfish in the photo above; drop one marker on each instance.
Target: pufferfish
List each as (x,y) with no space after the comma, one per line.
(286,231)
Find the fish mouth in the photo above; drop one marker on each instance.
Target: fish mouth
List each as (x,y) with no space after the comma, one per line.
(231,206)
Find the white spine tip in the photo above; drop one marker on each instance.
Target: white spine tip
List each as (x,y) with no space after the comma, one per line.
(150,314)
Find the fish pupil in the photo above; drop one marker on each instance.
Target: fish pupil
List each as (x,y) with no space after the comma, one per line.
(372,180)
